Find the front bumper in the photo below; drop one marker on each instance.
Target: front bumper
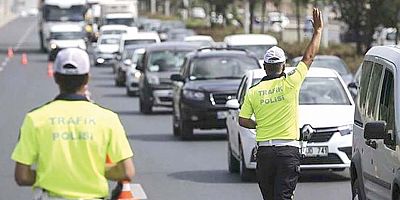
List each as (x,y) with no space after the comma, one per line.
(339,152)
(204,117)
(132,81)
(162,97)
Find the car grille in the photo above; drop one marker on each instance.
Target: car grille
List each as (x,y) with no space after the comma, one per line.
(221,99)
(322,134)
(166,99)
(330,159)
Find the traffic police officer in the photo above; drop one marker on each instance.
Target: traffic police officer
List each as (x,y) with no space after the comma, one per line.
(69,138)
(274,102)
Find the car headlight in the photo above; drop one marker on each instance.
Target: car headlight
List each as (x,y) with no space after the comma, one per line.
(194,95)
(53,46)
(346,130)
(153,80)
(137,74)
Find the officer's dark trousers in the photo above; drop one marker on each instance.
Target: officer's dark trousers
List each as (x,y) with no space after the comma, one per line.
(278,171)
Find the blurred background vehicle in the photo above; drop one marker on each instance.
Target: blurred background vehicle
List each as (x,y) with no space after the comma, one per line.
(256,43)
(106,48)
(331,62)
(179,35)
(160,61)
(209,78)
(132,74)
(326,108)
(125,63)
(123,12)
(65,36)
(113,30)
(167,26)
(201,40)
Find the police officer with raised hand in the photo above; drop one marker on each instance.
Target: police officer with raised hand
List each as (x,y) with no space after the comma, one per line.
(63,144)
(274,103)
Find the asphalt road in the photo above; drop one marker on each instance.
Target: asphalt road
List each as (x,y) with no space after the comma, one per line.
(167,168)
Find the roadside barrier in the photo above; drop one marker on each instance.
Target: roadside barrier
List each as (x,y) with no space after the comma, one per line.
(24,59)
(10,52)
(50,71)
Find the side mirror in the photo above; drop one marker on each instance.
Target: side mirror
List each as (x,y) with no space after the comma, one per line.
(128,62)
(177,77)
(352,85)
(232,104)
(375,130)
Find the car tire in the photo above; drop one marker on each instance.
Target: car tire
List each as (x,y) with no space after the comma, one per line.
(233,163)
(186,129)
(145,108)
(356,191)
(246,174)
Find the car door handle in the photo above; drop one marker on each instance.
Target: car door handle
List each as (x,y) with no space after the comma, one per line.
(371,144)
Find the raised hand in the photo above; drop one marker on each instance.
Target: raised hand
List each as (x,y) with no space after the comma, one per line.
(318,24)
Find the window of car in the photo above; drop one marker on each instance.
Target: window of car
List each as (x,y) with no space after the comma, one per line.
(113,32)
(364,83)
(386,104)
(109,41)
(331,63)
(133,42)
(136,57)
(162,61)
(242,90)
(372,92)
(221,67)
(258,50)
(67,35)
(321,91)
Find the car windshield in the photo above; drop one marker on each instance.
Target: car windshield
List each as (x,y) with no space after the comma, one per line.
(136,57)
(110,41)
(330,63)
(320,91)
(114,32)
(133,42)
(67,35)
(55,13)
(226,67)
(119,21)
(259,50)
(128,53)
(163,61)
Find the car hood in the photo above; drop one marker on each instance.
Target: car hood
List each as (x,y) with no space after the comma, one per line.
(108,48)
(220,85)
(68,43)
(323,116)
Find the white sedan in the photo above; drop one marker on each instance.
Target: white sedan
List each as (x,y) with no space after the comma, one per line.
(326,109)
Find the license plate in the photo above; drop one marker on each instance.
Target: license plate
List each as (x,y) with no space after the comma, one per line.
(222,114)
(315,151)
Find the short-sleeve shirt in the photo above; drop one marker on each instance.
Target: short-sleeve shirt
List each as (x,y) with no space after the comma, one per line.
(68,140)
(274,104)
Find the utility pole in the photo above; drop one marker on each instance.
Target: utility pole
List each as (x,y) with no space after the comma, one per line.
(247,17)
(167,7)
(153,7)
(325,32)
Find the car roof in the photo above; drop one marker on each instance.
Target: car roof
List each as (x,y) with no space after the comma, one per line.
(312,72)
(111,36)
(317,57)
(65,3)
(113,27)
(199,38)
(220,52)
(140,36)
(171,45)
(250,39)
(390,53)
(66,28)
(119,15)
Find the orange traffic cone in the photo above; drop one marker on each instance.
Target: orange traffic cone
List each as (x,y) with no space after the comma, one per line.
(24,59)
(50,72)
(126,193)
(10,52)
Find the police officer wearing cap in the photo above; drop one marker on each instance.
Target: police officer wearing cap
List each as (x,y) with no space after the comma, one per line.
(69,138)
(274,103)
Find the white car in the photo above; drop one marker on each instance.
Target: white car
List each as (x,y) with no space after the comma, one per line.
(65,36)
(256,43)
(107,46)
(113,30)
(326,109)
(375,164)
(202,40)
(133,75)
(138,38)
(119,19)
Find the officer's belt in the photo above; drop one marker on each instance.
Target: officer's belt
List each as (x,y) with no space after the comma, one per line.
(279,143)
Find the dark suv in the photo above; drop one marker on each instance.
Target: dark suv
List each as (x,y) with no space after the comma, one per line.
(209,77)
(159,62)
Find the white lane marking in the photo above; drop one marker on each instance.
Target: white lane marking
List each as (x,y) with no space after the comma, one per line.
(138,192)
(24,37)
(18,45)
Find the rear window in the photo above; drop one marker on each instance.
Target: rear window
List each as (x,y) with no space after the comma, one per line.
(224,67)
(133,42)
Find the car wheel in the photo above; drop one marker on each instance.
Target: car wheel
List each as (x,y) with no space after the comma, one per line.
(233,163)
(356,190)
(186,129)
(246,174)
(145,108)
